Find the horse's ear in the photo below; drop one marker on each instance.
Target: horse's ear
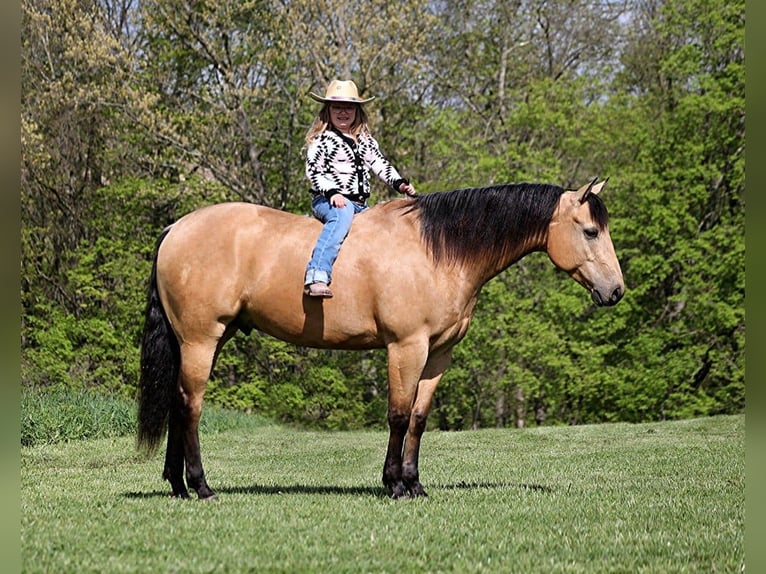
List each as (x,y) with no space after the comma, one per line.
(599,186)
(582,193)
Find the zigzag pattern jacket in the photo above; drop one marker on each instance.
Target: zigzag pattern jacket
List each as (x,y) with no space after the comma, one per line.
(336,163)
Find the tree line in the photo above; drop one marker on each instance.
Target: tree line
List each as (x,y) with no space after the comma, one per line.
(135,113)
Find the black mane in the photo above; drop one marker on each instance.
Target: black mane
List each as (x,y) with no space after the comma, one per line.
(490,222)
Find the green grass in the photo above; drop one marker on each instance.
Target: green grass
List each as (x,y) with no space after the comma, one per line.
(664,497)
(55,416)
(62,415)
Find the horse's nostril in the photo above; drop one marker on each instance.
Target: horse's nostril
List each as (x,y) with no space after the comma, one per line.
(616,295)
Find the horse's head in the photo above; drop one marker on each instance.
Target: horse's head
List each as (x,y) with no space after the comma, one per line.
(579,243)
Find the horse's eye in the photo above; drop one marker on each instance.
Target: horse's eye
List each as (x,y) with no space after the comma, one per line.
(591,233)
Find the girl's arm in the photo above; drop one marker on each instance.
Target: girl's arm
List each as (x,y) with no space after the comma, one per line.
(381,167)
(318,169)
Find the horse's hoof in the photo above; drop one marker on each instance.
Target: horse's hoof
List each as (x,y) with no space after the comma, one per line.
(205,493)
(417,491)
(398,490)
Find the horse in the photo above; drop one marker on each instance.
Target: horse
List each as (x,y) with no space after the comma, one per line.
(407,279)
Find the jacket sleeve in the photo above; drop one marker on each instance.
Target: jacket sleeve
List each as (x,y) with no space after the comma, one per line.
(379,165)
(318,169)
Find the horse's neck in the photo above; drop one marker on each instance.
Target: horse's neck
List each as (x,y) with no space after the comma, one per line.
(484,271)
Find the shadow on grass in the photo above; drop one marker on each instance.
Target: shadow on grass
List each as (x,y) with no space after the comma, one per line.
(377,492)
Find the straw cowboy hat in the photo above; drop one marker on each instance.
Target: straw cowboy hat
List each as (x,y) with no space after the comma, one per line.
(341,91)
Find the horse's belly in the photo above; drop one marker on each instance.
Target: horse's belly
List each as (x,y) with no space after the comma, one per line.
(317,329)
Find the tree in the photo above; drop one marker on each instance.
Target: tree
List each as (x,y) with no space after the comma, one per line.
(684,237)
(74,74)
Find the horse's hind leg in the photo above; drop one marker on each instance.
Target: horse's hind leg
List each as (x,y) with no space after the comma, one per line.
(174,456)
(196,365)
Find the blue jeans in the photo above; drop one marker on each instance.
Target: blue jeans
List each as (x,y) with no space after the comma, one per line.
(337,223)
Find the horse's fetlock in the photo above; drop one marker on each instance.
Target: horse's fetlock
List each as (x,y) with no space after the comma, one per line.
(391,473)
(195,479)
(410,473)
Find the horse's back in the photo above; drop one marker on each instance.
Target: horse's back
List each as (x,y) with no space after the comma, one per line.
(240,218)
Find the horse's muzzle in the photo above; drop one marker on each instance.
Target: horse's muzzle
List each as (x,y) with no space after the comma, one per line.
(602,301)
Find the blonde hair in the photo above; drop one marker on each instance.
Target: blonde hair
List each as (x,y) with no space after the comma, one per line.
(322,122)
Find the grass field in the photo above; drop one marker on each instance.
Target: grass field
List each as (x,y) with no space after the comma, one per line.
(663,497)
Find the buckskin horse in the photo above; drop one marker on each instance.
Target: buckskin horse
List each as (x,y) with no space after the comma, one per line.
(407,279)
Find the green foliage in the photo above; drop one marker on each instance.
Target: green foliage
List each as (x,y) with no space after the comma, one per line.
(303,386)
(682,234)
(72,352)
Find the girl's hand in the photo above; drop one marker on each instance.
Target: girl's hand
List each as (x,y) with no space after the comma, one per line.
(407,188)
(338,200)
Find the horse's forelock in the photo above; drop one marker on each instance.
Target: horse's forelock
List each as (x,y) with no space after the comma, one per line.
(488,222)
(598,211)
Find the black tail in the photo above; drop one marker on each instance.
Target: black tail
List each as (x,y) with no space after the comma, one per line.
(160,362)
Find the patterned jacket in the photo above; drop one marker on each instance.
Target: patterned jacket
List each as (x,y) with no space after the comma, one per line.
(337,164)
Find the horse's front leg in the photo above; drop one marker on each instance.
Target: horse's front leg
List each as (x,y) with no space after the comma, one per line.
(392,468)
(405,365)
(432,374)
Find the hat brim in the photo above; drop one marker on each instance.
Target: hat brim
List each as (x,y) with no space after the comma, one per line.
(340,99)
